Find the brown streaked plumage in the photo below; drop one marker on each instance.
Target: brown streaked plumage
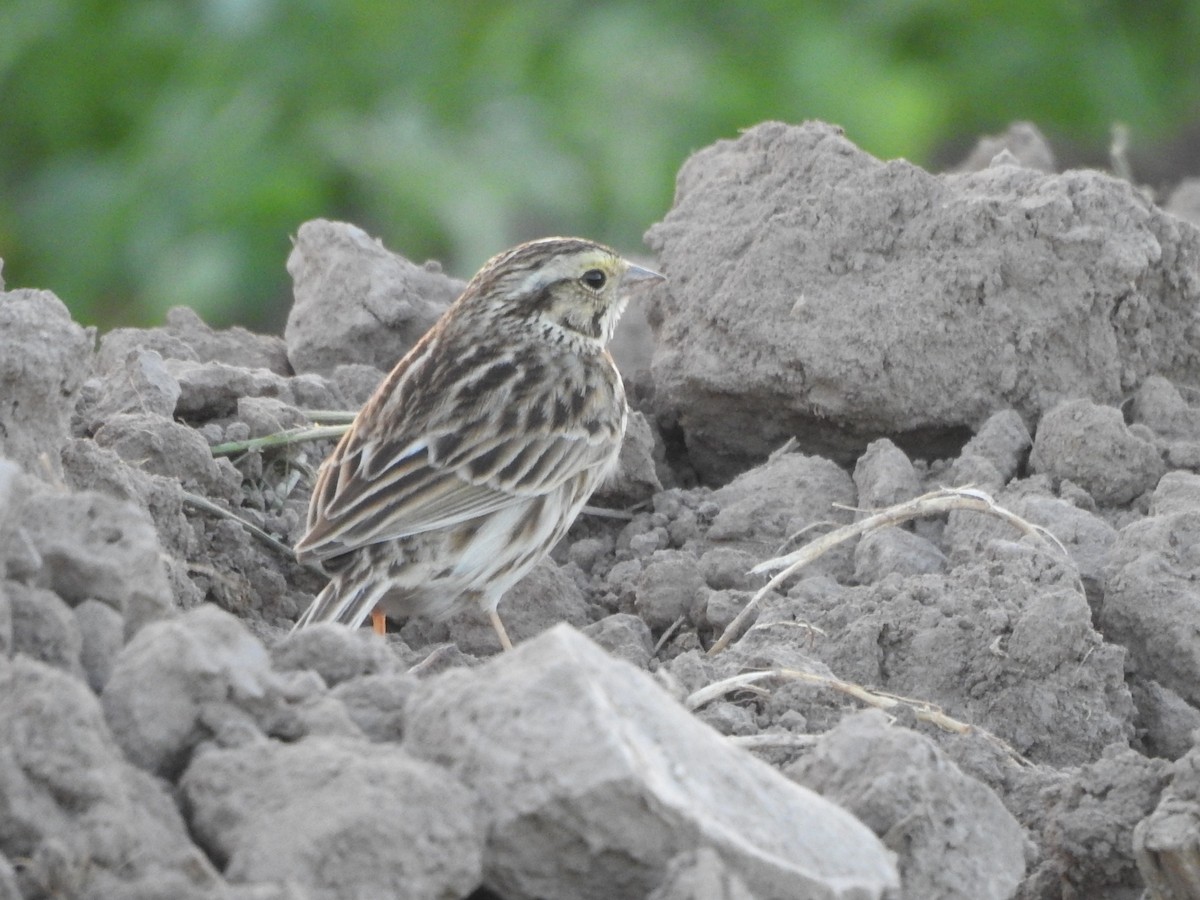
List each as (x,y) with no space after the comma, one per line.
(476,453)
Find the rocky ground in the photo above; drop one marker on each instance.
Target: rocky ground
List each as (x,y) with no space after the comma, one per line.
(953,704)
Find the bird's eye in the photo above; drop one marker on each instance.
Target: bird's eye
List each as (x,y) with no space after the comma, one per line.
(594,279)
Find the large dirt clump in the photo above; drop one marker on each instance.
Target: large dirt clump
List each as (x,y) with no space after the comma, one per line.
(819,292)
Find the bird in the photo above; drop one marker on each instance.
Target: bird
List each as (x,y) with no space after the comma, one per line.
(475,454)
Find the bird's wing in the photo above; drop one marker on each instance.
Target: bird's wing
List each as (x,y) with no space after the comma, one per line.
(377,490)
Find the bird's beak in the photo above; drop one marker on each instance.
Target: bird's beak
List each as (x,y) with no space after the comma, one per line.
(636,275)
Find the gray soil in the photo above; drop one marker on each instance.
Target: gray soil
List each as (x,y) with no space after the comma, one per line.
(951,706)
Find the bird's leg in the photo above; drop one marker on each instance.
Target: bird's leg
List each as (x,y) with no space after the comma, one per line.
(378,621)
(499,626)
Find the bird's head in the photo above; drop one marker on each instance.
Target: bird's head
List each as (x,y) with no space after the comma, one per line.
(571,288)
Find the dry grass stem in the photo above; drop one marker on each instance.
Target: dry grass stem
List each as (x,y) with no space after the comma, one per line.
(773,740)
(666,635)
(203,503)
(786,447)
(621,514)
(924,711)
(807,627)
(795,536)
(935,503)
(434,659)
(717,689)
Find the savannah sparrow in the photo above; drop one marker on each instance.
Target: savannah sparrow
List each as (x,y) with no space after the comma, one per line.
(476,453)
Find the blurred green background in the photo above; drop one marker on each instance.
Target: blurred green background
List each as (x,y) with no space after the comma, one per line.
(161,153)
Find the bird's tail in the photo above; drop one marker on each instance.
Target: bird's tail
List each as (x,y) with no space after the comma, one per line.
(342,600)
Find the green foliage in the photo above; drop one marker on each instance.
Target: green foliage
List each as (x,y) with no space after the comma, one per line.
(155,153)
